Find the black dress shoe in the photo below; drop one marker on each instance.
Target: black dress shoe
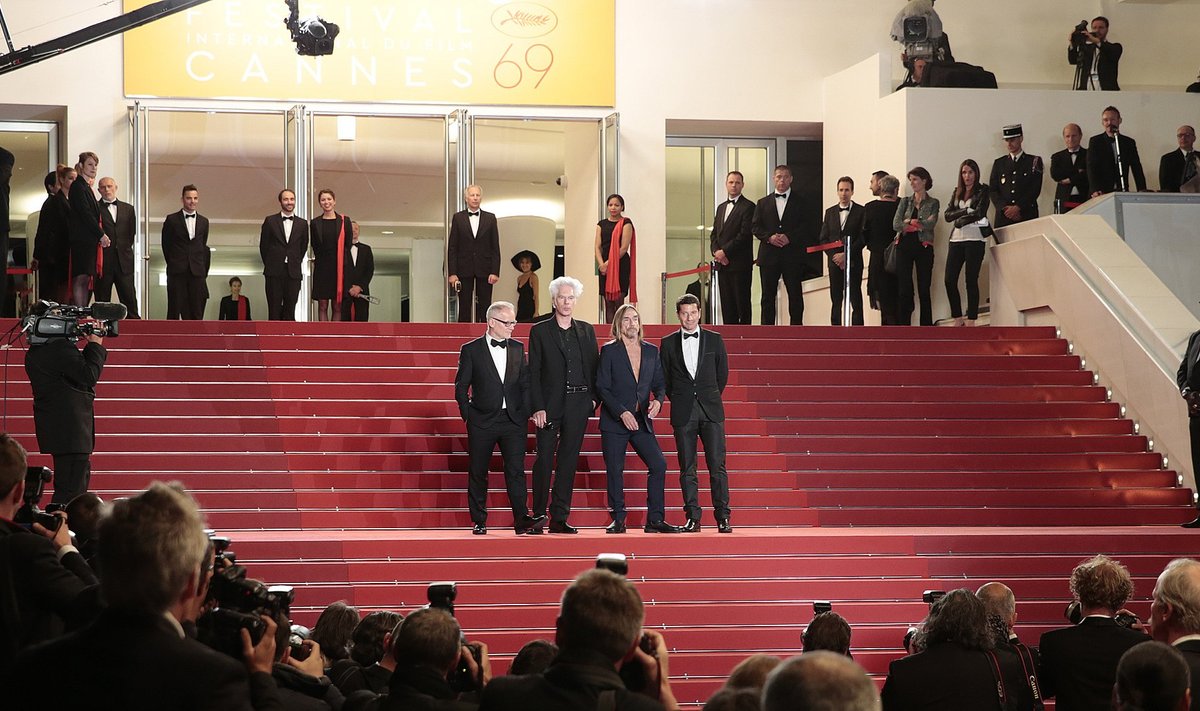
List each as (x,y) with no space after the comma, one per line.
(529,525)
(692,526)
(615,527)
(561,527)
(660,527)
(723,526)
(479,529)
(1191,524)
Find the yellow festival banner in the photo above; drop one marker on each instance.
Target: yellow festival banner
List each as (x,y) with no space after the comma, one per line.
(550,52)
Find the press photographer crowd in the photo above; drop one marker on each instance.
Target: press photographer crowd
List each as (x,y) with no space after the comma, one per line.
(142,607)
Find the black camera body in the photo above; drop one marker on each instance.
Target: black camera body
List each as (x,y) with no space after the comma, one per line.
(313,36)
(35,487)
(238,603)
(1079,35)
(441,596)
(48,320)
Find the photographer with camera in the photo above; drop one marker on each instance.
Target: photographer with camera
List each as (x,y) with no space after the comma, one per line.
(1079,663)
(157,566)
(41,573)
(599,630)
(1094,57)
(299,671)
(64,392)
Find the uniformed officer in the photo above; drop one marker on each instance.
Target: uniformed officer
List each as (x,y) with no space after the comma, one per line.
(1017,181)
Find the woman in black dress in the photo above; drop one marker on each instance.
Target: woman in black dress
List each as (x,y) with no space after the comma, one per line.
(604,238)
(234,307)
(526,261)
(331,237)
(52,243)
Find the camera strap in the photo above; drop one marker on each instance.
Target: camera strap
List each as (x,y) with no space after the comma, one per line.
(1001,691)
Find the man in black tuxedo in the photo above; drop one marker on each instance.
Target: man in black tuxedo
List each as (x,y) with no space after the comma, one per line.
(490,388)
(1068,168)
(562,391)
(1103,176)
(473,255)
(359,270)
(732,245)
(783,236)
(135,655)
(630,371)
(1175,615)
(1095,58)
(696,368)
(844,222)
(282,244)
(598,630)
(1188,379)
(185,250)
(64,380)
(120,223)
(44,574)
(1016,180)
(1179,166)
(1079,663)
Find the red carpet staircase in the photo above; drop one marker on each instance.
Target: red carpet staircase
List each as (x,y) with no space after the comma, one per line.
(867,465)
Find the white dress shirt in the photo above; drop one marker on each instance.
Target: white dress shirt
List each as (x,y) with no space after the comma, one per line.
(691,351)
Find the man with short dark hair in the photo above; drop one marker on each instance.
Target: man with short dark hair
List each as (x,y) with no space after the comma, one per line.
(696,369)
(1175,615)
(599,629)
(46,574)
(1104,151)
(1079,664)
(820,680)
(783,234)
(185,250)
(1016,180)
(843,223)
(371,656)
(1095,58)
(828,631)
(156,563)
(1152,676)
(428,646)
(1180,166)
(732,245)
(282,244)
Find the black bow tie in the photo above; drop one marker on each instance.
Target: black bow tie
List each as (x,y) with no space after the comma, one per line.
(732,200)
(781,195)
(692,335)
(288,218)
(843,209)
(499,344)
(190,217)
(473,214)
(109,202)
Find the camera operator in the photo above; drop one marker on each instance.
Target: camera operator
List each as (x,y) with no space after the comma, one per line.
(300,673)
(1094,57)
(45,574)
(599,629)
(153,551)
(64,393)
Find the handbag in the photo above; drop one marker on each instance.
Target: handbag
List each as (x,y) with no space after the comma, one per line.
(889,255)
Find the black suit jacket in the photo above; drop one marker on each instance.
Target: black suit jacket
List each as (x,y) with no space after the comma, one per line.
(360,273)
(1188,376)
(52,243)
(832,230)
(1170,171)
(735,234)
(473,255)
(479,390)
(767,222)
(1018,183)
(1191,654)
(1079,664)
(282,257)
(574,680)
(136,661)
(618,390)
(120,233)
(712,374)
(1062,169)
(185,256)
(944,677)
(64,391)
(548,364)
(1102,164)
(34,586)
(85,227)
(1110,56)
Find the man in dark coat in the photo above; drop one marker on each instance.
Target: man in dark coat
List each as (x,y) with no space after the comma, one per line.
(1016,180)
(1175,615)
(64,380)
(1103,148)
(843,223)
(185,250)
(473,256)
(282,244)
(1068,168)
(428,647)
(120,224)
(1188,379)
(1179,166)
(360,268)
(732,245)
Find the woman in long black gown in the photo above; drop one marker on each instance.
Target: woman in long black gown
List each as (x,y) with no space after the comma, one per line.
(527,262)
(331,238)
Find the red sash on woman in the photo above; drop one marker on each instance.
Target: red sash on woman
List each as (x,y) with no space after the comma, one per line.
(99,259)
(341,262)
(612,280)
(241,302)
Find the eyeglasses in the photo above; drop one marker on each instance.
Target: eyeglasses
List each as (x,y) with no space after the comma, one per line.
(509,324)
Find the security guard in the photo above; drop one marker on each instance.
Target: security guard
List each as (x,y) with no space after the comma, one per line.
(1016,181)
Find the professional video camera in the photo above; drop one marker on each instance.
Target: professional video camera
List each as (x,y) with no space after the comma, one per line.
(48,320)
(1080,36)
(919,28)
(313,36)
(29,513)
(237,602)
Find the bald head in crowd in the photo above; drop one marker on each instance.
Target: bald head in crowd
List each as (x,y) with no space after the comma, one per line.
(999,601)
(820,681)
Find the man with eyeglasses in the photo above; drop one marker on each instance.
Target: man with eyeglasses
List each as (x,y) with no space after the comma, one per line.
(490,388)
(1180,166)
